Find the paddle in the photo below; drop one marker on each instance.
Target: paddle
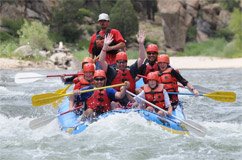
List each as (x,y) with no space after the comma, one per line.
(47,98)
(42,121)
(191,126)
(29,77)
(222,96)
(202,89)
(60,91)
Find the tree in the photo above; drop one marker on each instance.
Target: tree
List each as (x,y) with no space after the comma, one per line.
(35,34)
(235,26)
(67,18)
(123,18)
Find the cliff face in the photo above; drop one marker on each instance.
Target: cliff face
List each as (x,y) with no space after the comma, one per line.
(37,9)
(179,15)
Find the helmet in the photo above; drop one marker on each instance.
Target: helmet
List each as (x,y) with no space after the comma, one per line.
(103,16)
(153,76)
(88,67)
(163,58)
(99,73)
(121,56)
(152,48)
(87,60)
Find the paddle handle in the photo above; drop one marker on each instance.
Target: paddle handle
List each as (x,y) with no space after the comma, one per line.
(186,123)
(64,75)
(139,75)
(71,110)
(180,93)
(94,89)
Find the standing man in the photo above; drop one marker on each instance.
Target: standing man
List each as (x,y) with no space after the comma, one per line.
(97,39)
(122,72)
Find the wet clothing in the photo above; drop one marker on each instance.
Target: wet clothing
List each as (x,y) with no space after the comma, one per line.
(95,49)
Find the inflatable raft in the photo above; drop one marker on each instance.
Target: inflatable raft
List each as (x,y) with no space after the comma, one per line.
(71,123)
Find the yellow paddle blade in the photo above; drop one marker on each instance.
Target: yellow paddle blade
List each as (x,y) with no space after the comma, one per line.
(46,98)
(222,96)
(60,91)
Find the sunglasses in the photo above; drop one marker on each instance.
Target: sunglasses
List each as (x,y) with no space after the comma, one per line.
(99,79)
(121,62)
(154,53)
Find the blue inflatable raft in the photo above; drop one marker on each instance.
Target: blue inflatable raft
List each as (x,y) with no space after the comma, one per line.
(71,123)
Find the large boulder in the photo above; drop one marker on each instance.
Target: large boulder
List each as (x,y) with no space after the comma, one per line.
(177,18)
(40,9)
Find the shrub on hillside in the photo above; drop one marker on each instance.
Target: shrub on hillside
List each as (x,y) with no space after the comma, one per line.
(235,27)
(123,17)
(68,25)
(36,35)
(4,36)
(13,25)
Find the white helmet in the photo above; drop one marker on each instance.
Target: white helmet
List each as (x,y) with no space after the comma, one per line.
(103,16)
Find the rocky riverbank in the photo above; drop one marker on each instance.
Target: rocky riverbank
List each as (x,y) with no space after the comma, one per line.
(176,62)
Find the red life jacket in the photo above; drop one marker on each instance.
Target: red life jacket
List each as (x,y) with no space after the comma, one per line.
(155,96)
(170,84)
(80,82)
(98,43)
(149,69)
(99,101)
(122,76)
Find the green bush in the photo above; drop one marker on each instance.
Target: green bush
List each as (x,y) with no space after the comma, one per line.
(231,51)
(230,4)
(123,17)
(67,25)
(235,27)
(71,33)
(7,48)
(13,25)
(36,35)
(191,33)
(224,33)
(212,47)
(83,44)
(4,36)
(79,55)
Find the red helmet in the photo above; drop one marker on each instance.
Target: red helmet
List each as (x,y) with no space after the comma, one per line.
(99,73)
(88,67)
(121,56)
(163,58)
(153,76)
(152,48)
(87,60)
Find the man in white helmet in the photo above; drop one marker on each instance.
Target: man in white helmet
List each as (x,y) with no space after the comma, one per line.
(96,42)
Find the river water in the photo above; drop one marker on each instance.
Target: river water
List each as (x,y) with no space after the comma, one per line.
(121,137)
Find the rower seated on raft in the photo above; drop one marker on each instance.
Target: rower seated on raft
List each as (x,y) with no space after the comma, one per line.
(99,101)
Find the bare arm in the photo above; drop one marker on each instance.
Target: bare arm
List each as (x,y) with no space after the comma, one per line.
(167,102)
(102,57)
(192,89)
(118,46)
(142,53)
(121,94)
